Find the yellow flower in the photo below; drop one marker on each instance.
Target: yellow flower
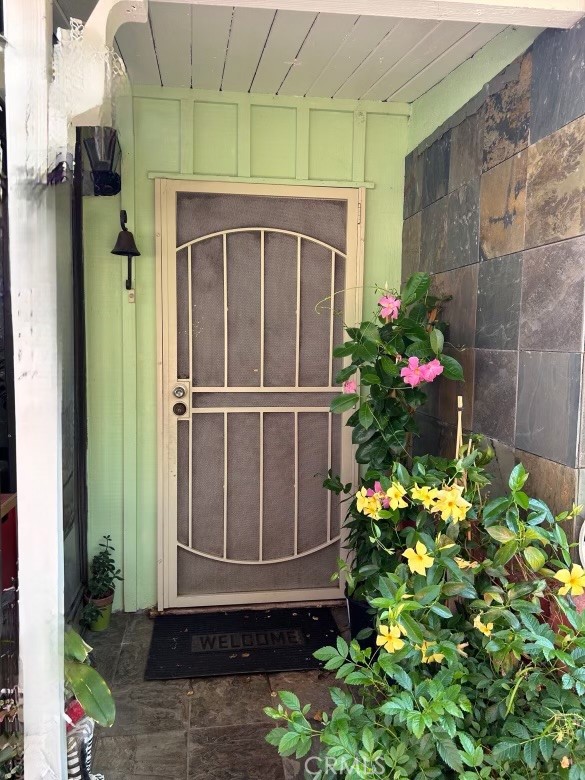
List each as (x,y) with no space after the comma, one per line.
(463,564)
(565,762)
(574,580)
(389,638)
(486,629)
(418,560)
(368,505)
(461,649)
(451,504)
(395,495)
(429,658)
(426,495)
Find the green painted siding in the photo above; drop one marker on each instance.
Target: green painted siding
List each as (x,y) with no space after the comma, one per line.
(205,134)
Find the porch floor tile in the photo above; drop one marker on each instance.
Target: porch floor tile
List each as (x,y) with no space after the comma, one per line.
(200,729)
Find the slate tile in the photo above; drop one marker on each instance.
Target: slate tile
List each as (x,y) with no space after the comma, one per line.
(449,390)
(411,240)
(466,155)
(159,754)
(494,401)
(556,185)
(558,87)
(500,468)
(459,312)
(503,208)
(498,303)
(552,297)
(154,705)
(436,170)
(463,226)
(507,117)
(222,701)
(233,753)
(434,437)
(582,422)
(433,246)
(553,483)
(413,178)
(131,664)
(548,405)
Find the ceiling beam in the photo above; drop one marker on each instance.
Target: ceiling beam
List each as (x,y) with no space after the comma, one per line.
(526,13)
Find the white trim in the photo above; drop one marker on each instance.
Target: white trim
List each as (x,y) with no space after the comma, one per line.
(529,13)
(37,324)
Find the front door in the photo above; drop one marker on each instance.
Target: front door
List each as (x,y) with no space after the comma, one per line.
(255,284)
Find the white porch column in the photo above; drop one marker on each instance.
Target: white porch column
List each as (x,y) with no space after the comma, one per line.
(37,386)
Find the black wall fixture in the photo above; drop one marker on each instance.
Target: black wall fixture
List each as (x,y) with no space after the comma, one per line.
(126,247)
(104,154)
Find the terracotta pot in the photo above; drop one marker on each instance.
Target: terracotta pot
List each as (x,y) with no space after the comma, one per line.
(105,607)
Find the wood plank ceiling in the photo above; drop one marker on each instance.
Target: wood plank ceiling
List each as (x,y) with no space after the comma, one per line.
(294,52)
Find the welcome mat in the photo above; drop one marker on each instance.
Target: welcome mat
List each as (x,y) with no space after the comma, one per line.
(243,642)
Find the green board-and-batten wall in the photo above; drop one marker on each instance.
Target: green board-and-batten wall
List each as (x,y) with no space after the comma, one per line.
(206,135)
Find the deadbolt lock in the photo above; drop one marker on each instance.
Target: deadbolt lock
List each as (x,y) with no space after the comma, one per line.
(179,409)
(179,392)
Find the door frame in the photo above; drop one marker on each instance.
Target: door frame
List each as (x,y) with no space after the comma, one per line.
(165,188)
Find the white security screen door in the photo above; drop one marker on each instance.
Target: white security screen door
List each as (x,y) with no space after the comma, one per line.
(248,316)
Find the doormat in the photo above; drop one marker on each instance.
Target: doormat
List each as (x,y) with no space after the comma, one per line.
(243,642)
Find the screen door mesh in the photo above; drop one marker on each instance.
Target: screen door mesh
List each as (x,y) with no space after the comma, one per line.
(259,306)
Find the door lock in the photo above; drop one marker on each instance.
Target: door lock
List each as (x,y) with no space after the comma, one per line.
(179,392)
(179,409)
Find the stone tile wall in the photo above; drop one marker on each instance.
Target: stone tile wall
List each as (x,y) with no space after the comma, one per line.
(494,209)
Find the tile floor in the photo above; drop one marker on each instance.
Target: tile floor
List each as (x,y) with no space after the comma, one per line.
(198,729)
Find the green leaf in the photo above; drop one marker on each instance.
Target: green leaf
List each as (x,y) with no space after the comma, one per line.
(495,508)
(325,653)
(447,749)
(534,557)
(345,373)
(451,368)
(389,366)
(546,747)
(517,478)
(345,349)
(342,647)
(288,743)
(366,416)
(289,700)
(415,288)
(437,340)
(370,378)
(501,534)
(368,739)
(341,403)
(506,552)
(74,646)
(531,753)
(91,691)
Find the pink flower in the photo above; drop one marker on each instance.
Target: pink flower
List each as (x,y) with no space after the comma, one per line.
(379,493)
(413,373)
(349,386)
(431,370)
(389,307)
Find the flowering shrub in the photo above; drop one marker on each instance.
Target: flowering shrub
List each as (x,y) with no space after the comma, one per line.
(395,355)
(467,679)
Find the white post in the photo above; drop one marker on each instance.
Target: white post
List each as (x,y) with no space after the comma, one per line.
(33,269)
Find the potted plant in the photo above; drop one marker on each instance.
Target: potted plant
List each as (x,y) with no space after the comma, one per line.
(395,355)
(101,585)
(467,680)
